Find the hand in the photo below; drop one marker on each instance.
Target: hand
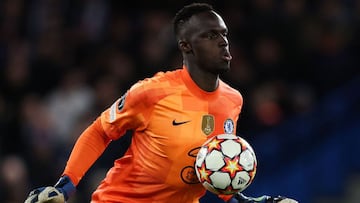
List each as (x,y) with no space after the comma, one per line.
(45,195)
(58,193)
(241,198)
(281,199)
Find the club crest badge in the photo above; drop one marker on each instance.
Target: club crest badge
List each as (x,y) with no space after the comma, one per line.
(229,126)
(208,124)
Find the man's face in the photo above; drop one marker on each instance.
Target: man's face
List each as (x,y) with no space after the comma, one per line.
(206,34)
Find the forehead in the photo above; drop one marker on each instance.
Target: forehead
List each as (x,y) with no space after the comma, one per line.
(206,21)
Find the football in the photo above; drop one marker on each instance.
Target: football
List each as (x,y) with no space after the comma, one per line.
(226,164)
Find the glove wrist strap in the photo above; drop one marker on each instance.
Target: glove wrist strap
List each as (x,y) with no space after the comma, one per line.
(66,186)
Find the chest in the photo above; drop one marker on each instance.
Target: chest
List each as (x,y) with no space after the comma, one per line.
(185,122)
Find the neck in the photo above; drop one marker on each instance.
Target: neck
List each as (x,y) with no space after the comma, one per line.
(206,80)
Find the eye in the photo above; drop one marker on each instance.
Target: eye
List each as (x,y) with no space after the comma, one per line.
(212,35)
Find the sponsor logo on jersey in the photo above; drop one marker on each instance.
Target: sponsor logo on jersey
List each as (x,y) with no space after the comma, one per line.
(175,123)
(188,174)
(208,124)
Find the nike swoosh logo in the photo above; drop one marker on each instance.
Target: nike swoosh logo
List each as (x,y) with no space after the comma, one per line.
(179,123)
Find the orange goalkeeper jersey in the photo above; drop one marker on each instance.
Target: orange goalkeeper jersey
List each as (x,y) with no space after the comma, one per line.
(171,118)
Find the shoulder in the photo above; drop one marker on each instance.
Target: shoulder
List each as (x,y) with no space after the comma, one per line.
(157,86)
(231,93)
(158,81)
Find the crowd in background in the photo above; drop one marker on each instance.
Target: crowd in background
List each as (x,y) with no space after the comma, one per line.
(62,62)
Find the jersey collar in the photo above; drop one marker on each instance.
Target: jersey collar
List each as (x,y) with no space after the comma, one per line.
(195,89)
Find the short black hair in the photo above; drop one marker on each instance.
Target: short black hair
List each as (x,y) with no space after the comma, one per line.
(183,15)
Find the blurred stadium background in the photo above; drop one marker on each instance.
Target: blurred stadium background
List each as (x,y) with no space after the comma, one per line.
(296,62)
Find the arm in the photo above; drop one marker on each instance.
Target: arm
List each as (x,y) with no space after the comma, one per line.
(110,125)
(88,148)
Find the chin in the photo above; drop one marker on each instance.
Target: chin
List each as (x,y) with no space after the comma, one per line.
(224,68)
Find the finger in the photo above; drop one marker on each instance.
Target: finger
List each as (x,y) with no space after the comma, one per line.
(31,199)
(287,200)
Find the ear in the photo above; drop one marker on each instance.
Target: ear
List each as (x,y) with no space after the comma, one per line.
(184,46)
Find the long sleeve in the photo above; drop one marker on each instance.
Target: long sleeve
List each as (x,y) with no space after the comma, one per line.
(87,149)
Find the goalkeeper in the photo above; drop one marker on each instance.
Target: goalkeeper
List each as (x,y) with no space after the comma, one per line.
(171,115)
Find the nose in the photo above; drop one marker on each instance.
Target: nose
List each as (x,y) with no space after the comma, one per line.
(223,41)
